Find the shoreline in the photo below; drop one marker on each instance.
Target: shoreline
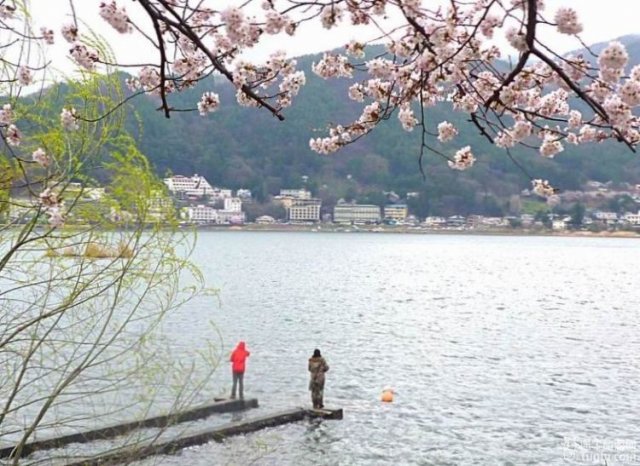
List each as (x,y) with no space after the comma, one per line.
(378,229)
(395,230)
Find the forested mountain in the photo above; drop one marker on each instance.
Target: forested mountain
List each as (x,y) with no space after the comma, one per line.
(238,147)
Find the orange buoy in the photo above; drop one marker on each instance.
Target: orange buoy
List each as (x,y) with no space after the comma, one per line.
(387,395)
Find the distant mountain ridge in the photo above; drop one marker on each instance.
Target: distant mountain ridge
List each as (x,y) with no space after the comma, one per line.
(238,147)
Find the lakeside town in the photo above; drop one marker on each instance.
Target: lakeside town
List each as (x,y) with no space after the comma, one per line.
(202,204)
(195,202)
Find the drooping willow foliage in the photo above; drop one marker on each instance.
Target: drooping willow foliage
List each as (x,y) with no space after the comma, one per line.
(82,301)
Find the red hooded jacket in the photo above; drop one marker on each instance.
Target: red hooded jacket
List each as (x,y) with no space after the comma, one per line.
(238,357)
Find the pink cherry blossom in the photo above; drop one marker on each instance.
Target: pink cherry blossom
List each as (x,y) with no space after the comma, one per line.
(613,56)
(542,188)
(463,159)
(47,35)
(49,198)
(521,130)
(14,135)
(517,39)
(69,119)
(7,11)
(331,15)
(355,49)
(40,157)
(208,103)
(550,146)
(446,131)
(407,118)
(24,76)
(575,119)
(630,93)
(6,115)
(333,66)
(567,21)
(84,56)
(116,17)
(70,33)
(56,217)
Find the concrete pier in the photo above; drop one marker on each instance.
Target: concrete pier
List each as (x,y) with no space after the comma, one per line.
(192,414)
(208,435)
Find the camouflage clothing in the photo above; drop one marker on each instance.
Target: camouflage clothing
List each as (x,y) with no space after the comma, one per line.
(317,367)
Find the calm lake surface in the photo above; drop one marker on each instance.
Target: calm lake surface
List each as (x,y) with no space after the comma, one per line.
(501,350)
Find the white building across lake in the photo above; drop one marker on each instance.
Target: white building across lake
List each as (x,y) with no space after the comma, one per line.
(356,213)
(189,186)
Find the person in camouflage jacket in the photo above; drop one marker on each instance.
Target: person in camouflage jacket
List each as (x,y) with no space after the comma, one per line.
(317,367)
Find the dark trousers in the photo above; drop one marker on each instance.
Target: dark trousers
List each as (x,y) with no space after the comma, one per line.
(238,379)
(317,395)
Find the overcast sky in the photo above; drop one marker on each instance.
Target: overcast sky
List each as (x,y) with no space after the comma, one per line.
(602,19)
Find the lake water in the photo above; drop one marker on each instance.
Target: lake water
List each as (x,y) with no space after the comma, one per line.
(501,350)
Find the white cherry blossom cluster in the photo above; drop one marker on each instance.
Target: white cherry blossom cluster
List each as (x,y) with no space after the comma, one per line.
(327,145)
(149,78)
(517,39)
(116,17)
(52,206)
(550,146)
(70,33)
(576,68)
(567,21)
(276,71)
(339,135)
(202,16)
(56,217)
(407,117)
(6,115)
(47,35)
(630,92)
(355,49)
(290,87)
(333,66)
(331,15)
(7,11)
(436,61)
(69,119)
(190,67)
(463,159)
(13,135)
(521,130)
(209,102)
(446,131)
(590,134)
(575,119)
(552,104)
(24,76)
(437,56)
(41,157)
(378,89)
(488,26)
(371,114)
(239,29)
(275,23)
(509,137)
(542,188)
(245,100)
(356,92)
(84,56)
(504,139)
(614,56)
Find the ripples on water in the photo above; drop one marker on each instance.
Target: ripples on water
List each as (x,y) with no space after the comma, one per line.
(498,348)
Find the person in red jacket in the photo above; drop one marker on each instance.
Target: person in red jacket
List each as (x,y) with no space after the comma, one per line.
(238,361)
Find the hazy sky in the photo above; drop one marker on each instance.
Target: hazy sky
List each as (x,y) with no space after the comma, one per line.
(602,19)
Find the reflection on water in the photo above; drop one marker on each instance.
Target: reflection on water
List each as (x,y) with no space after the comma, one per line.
(499,348)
